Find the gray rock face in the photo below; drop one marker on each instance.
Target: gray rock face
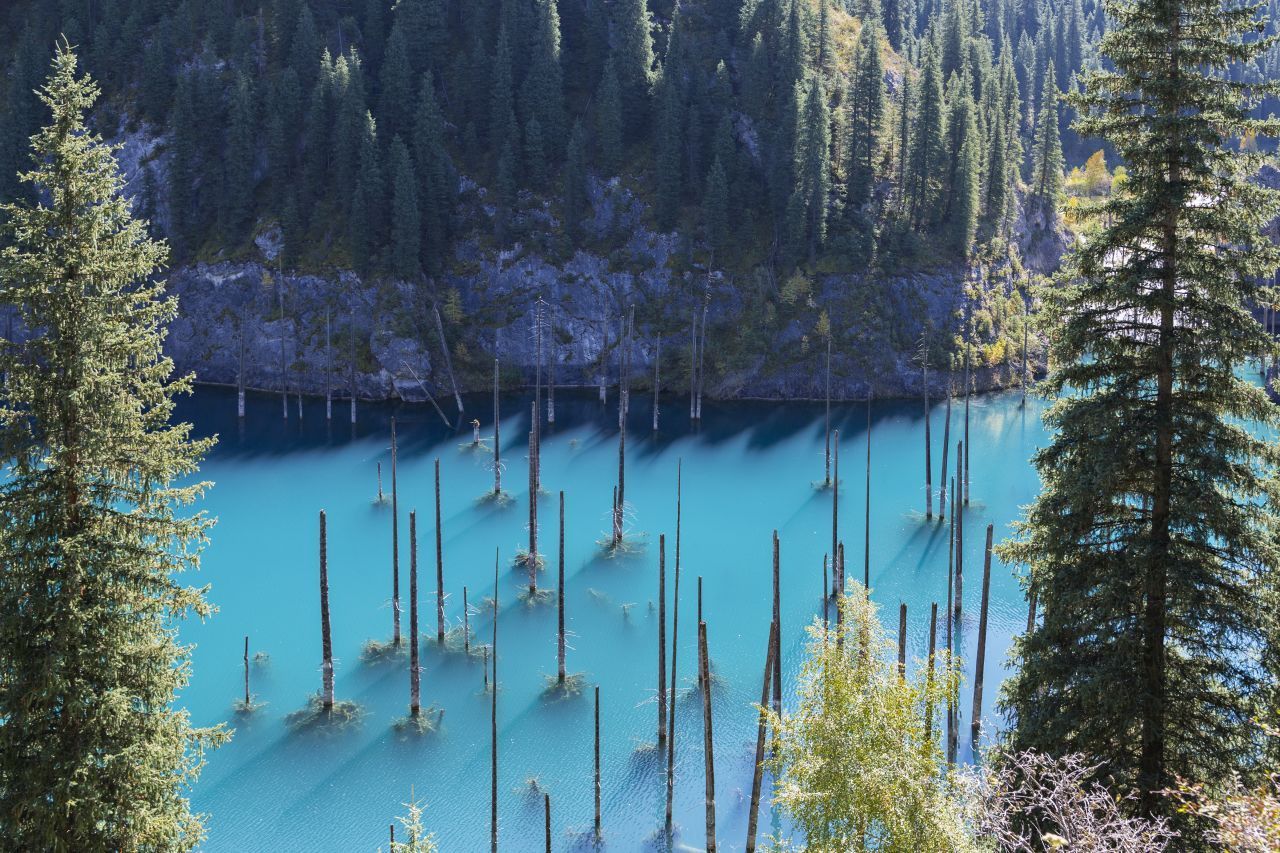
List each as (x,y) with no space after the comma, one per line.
(244,323)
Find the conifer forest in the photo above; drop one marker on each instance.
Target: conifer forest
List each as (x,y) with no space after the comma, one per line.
(827,425)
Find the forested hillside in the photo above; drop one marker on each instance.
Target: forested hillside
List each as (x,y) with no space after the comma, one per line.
(780,142)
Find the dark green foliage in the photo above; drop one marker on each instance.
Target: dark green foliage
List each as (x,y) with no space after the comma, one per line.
(1045,185)
(542,93)
(575,183)
(364,224)
(716,202)
(1153,548)
(927,164)
(670,147)
(633,61)
(535,155)
(237,187)
(609,119)
(94,755)
(866,115)
(406,226)
(438,180)
(503,130)
(395,100)
(505,189)
(807,209)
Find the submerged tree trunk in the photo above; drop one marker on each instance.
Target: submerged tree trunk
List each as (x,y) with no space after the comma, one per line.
(439,563)
(497,444)
(597,757)
(675,637)
(777,623)
(395,543)
(493,721)
(414,672)
(979,662)
(707,738)
(946,446)
(757,773)
(837,582)
(826,479)
(326,641)
(560,675)
(662,639)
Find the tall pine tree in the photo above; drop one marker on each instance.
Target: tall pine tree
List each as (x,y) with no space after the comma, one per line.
(94,755)
(1153,547)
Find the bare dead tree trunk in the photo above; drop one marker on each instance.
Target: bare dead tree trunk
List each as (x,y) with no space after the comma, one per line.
(352,366)
(395,542)
(531,558)
(546,800)
(699,621)
(493,721)
(537,367)
(620,503)
(247,701)
(466,623)
(757,774)
(928,443)
(839,571)
(415,703)
(604,360)
(702,354)
(946,442)
(662,639)
(951,704)
(657,387)
(777,621)
(284,373)
(693,369)
(599,834)
(326,641)
(448,359)
(707,739)
(933,647)
(380,497)
(979,662)
(1024,351)
(439,563)
(968,381)
(826,597)
(959,549)
(836,580)
(239,369)
(328,367)
(675,637)
(552,357)
(560,675)
(827,470)
(902,640)
(866,534)
(497,445)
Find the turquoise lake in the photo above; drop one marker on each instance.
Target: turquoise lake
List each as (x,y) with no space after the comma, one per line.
(748,469)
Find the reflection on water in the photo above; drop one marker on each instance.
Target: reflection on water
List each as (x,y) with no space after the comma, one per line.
(749,469)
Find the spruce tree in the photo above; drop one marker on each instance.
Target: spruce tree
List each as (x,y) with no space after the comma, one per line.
(364,224)
(716,206)
(633,56)
(406,226)
(669,146)
(575,183)
(437,177)
(1045,186)
(395,82)
(866,114)
(184,167)
(237,187)
(542,93)
(502,104)
(94,755)
(305,48)
(609,119)
(1153,548)
(807,208)
(962,208)
(535,155)
(927,153)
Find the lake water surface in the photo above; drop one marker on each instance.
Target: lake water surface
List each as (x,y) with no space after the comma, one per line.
(749,469)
